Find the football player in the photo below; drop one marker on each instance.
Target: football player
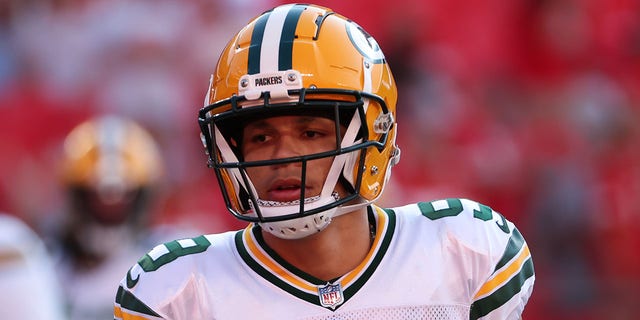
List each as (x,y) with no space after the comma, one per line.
(299,125)
(110,169)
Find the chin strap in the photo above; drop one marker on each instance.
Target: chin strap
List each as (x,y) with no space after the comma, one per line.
(350,208)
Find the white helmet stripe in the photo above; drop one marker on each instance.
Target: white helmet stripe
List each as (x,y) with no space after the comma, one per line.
(271,40)
(271,46)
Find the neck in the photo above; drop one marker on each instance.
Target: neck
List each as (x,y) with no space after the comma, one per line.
(331,253)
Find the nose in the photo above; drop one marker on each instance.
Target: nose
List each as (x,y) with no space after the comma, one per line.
(287,146)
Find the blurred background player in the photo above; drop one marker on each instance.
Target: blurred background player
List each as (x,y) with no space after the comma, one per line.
(110,172)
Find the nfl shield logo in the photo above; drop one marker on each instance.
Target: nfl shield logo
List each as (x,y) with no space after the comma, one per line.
(331,295)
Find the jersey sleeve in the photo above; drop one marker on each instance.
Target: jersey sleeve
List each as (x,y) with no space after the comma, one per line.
(163,284)
(503,294)
(498,260)
(129,306)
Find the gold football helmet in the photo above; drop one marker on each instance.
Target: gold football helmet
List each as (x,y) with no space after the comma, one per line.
(303,59)
(109,164)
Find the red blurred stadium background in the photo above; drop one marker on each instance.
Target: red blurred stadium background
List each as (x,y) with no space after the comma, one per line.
(529,106)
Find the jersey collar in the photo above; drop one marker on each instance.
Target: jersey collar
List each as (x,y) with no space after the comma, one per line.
(270,266)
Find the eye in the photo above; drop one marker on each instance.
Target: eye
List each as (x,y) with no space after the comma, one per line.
(259,138)
(311,134)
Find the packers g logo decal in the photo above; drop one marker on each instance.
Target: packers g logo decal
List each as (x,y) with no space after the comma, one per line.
(365,43)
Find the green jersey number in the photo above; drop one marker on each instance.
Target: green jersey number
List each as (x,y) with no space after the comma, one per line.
(438,209)
(166,253)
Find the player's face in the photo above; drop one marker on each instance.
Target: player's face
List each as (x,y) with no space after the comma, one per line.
(283,137)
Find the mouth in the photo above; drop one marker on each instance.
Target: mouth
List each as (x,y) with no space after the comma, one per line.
(285,190)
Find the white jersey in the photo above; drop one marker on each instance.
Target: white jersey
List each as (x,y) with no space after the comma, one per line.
(445,259)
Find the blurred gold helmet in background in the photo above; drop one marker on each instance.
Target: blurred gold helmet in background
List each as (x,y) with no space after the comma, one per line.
(108,161)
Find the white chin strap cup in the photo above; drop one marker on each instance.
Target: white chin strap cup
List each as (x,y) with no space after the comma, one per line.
(299,227)
(305,226)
